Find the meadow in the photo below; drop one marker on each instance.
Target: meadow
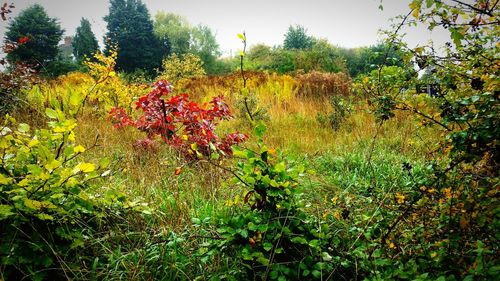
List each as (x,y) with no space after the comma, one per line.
(256,174)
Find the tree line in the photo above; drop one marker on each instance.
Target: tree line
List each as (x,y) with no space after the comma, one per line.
(142,42)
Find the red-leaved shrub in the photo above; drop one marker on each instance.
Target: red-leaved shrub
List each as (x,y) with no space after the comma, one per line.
(181,123)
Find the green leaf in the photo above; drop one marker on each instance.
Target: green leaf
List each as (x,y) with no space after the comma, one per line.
(260,130)
(45,217)
(243,233)
(251,226)
(23,128)
(299,240)
(5,211)
(457,36)
(241,36)
(326,256)
(104,163)
(214,156)
(33,204)
(5,180)
(314,243)
(35,170)
(239,153)
(54,164)
(51,113)
(280,167)
(263,260)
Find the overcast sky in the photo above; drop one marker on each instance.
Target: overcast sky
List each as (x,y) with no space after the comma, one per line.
(346,23)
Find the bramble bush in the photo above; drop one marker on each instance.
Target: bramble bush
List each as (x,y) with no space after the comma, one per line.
(341,109)
(322,84)
(454,211)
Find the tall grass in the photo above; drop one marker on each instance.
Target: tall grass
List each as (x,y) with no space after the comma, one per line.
(160,246)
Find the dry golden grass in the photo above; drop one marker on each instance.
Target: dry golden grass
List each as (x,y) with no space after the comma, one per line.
(149,175)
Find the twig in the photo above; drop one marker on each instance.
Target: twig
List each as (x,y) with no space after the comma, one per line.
(245,98)
(481,11)
(228,170)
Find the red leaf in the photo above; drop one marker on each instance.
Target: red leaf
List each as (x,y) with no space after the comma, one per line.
(178,171)
(23,40)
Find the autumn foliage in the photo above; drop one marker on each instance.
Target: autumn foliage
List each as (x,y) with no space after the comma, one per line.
(184,124)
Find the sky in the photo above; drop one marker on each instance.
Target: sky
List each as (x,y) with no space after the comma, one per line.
(345,23)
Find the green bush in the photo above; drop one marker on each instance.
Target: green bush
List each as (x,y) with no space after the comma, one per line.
(47,203)
(270,234)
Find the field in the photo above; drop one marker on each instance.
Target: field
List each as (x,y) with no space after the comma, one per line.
(257,173)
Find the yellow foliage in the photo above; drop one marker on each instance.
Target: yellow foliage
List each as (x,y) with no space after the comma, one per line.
(400,198)
(277,89)
(101,88)
(109,90)
(176,68)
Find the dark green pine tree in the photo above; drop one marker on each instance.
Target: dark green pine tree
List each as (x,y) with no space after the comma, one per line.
(84,43)
(41,33)
(131,28)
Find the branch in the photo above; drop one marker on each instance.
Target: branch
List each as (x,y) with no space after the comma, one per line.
(230,171)
(481,11)
(406,107)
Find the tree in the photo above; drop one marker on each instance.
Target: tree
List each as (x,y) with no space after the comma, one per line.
(204,45)
(40,35)
(84,43)
(131,29)
(363,60)
(177,67)
(297,38)
(174,30)
(182,38)
(322,56)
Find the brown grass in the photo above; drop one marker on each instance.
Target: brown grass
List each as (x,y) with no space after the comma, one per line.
(149,175)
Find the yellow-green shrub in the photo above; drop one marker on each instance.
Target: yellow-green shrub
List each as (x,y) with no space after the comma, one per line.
(101,88)
(47,201)
(176,68)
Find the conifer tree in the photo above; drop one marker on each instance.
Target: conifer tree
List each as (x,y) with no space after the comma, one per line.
(131,29)
(39,35)
(84,43)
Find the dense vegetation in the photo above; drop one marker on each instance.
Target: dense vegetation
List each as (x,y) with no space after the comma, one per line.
(300,162)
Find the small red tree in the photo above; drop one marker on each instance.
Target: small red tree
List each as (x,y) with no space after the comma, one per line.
(181,123)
